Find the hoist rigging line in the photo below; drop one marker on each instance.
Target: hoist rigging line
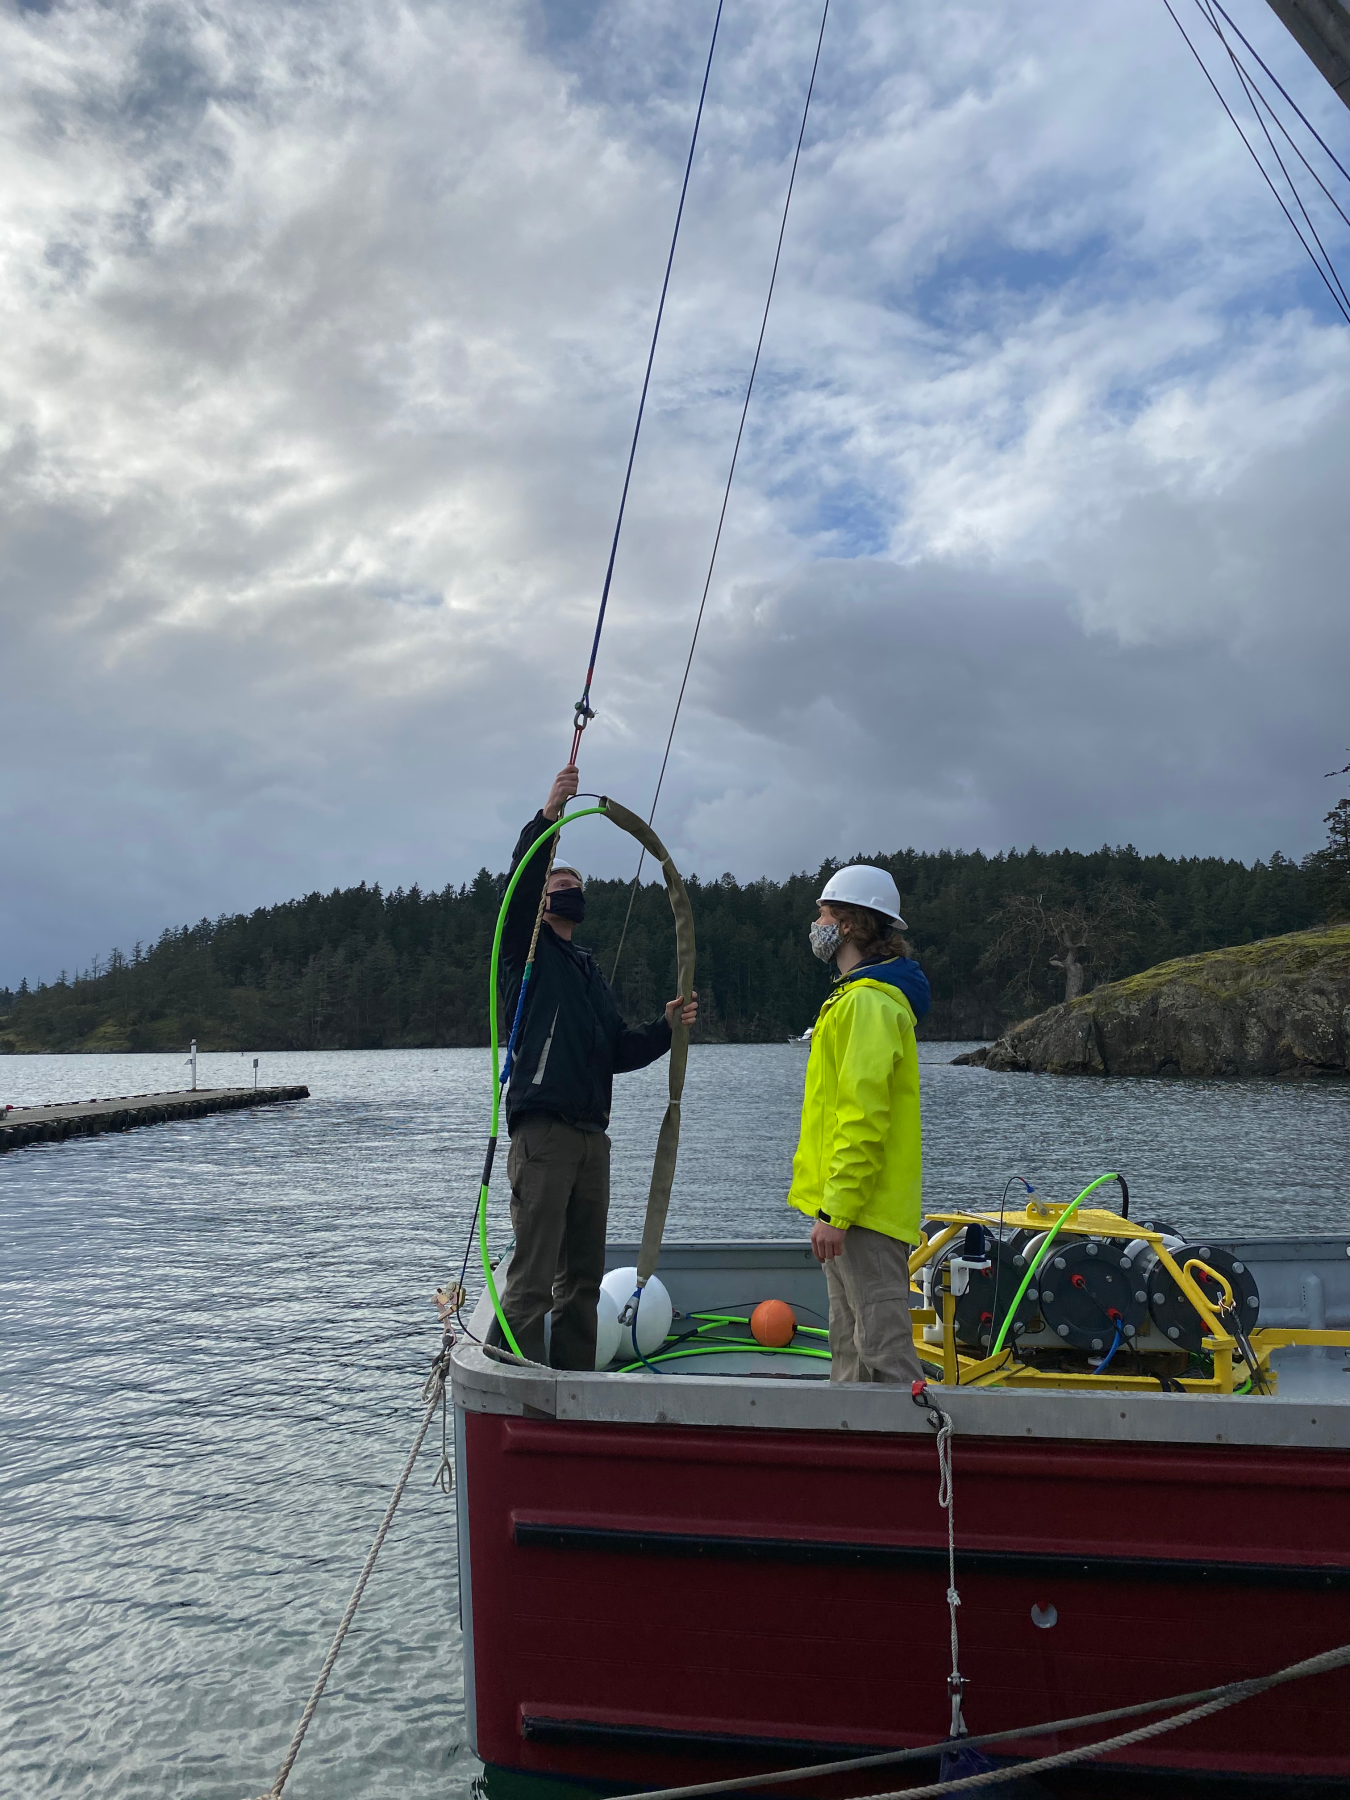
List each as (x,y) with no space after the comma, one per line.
(1251,150)
(1252,92)
(1275,117)
(1288,96)
(731,473)
(1284,133)
(582,712)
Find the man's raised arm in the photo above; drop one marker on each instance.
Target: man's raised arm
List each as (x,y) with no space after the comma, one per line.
(524,907)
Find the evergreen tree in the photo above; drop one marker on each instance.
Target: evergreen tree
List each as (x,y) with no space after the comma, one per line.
(1329,867)
(363,969)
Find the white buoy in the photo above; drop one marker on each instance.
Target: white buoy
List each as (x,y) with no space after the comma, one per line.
(654,1314)
(607,1331)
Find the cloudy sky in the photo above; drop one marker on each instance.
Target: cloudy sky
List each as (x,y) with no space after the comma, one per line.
(322,332)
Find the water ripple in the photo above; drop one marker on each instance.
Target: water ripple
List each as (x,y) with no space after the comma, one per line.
(213,1334)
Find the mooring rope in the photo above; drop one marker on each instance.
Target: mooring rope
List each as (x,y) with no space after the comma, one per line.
(444,1478)
(956,1681)
(433,1392)
(1212,1700)
(1041,1765)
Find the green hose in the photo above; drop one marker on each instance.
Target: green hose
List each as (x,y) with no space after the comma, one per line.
(543,838)
(1039,1258)
(736,1319)
(729,1348)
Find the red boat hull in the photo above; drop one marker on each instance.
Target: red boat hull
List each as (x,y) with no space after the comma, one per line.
(654,1604)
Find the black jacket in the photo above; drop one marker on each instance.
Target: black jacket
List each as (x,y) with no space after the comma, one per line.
(573,1040)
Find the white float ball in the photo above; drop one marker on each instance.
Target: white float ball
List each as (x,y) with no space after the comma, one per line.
(654,1314)
(606,1330)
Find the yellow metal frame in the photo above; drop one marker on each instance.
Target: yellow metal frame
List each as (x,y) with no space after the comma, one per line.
(1004,1370)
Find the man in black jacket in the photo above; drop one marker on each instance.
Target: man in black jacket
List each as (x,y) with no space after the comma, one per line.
(572,1043)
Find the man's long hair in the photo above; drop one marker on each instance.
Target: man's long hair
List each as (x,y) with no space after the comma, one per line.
(877,937)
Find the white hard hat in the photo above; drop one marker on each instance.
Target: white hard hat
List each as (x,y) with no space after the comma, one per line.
(861,885)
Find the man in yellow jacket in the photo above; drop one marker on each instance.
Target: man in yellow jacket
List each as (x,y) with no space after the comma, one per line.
(858,1170)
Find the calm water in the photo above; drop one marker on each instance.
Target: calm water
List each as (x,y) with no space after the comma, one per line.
(212,1336)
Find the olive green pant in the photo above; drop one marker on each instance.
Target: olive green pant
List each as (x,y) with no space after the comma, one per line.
(559,1209)
(871,1336)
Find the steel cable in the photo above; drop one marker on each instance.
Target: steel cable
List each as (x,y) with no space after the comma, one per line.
(1277,120)
(1251,91)
(731,474)
(1251,151)
(582,710)
(1289,97)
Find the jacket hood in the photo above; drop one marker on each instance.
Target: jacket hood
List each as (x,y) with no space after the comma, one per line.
(900,972)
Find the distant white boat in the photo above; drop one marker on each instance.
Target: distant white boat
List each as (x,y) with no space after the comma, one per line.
(805,1038)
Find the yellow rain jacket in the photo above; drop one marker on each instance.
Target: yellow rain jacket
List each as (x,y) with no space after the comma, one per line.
(859,1156)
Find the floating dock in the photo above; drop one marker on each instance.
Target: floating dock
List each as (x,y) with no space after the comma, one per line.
(20,1125)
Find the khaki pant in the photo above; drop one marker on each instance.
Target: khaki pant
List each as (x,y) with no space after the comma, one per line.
(871,1338)
(559,1209)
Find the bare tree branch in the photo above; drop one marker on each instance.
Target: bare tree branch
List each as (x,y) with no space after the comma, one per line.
(1099,929)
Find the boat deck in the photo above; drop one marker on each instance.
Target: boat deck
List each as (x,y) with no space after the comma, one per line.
(766,1528)
(1304,1283)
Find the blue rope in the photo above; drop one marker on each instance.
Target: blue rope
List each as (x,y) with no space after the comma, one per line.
(636,1303)
(1120,1335)
(583,712)
(511,1042)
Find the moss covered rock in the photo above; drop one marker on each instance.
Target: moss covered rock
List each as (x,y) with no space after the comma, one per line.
(1277,1007)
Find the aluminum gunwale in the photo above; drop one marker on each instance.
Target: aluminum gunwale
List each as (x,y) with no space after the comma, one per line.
(743,1401)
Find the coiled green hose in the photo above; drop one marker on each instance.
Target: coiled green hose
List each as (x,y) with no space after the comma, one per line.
(543,838)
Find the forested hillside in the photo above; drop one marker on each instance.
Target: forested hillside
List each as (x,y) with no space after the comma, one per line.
(999,938)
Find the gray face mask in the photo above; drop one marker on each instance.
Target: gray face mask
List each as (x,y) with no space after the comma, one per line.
(826,939)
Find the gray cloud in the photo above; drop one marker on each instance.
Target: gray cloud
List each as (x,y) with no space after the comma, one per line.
(937,704)
(323,331)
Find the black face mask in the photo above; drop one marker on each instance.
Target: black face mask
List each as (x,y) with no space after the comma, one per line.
(568,903)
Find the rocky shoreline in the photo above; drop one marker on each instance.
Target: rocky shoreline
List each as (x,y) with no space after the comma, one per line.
(1280,1006)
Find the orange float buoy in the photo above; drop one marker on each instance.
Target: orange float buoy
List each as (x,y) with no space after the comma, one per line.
(772,1324)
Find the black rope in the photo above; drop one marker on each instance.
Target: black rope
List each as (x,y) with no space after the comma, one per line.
(1251,150)
(582,711)
(1250,90)
(731,474)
